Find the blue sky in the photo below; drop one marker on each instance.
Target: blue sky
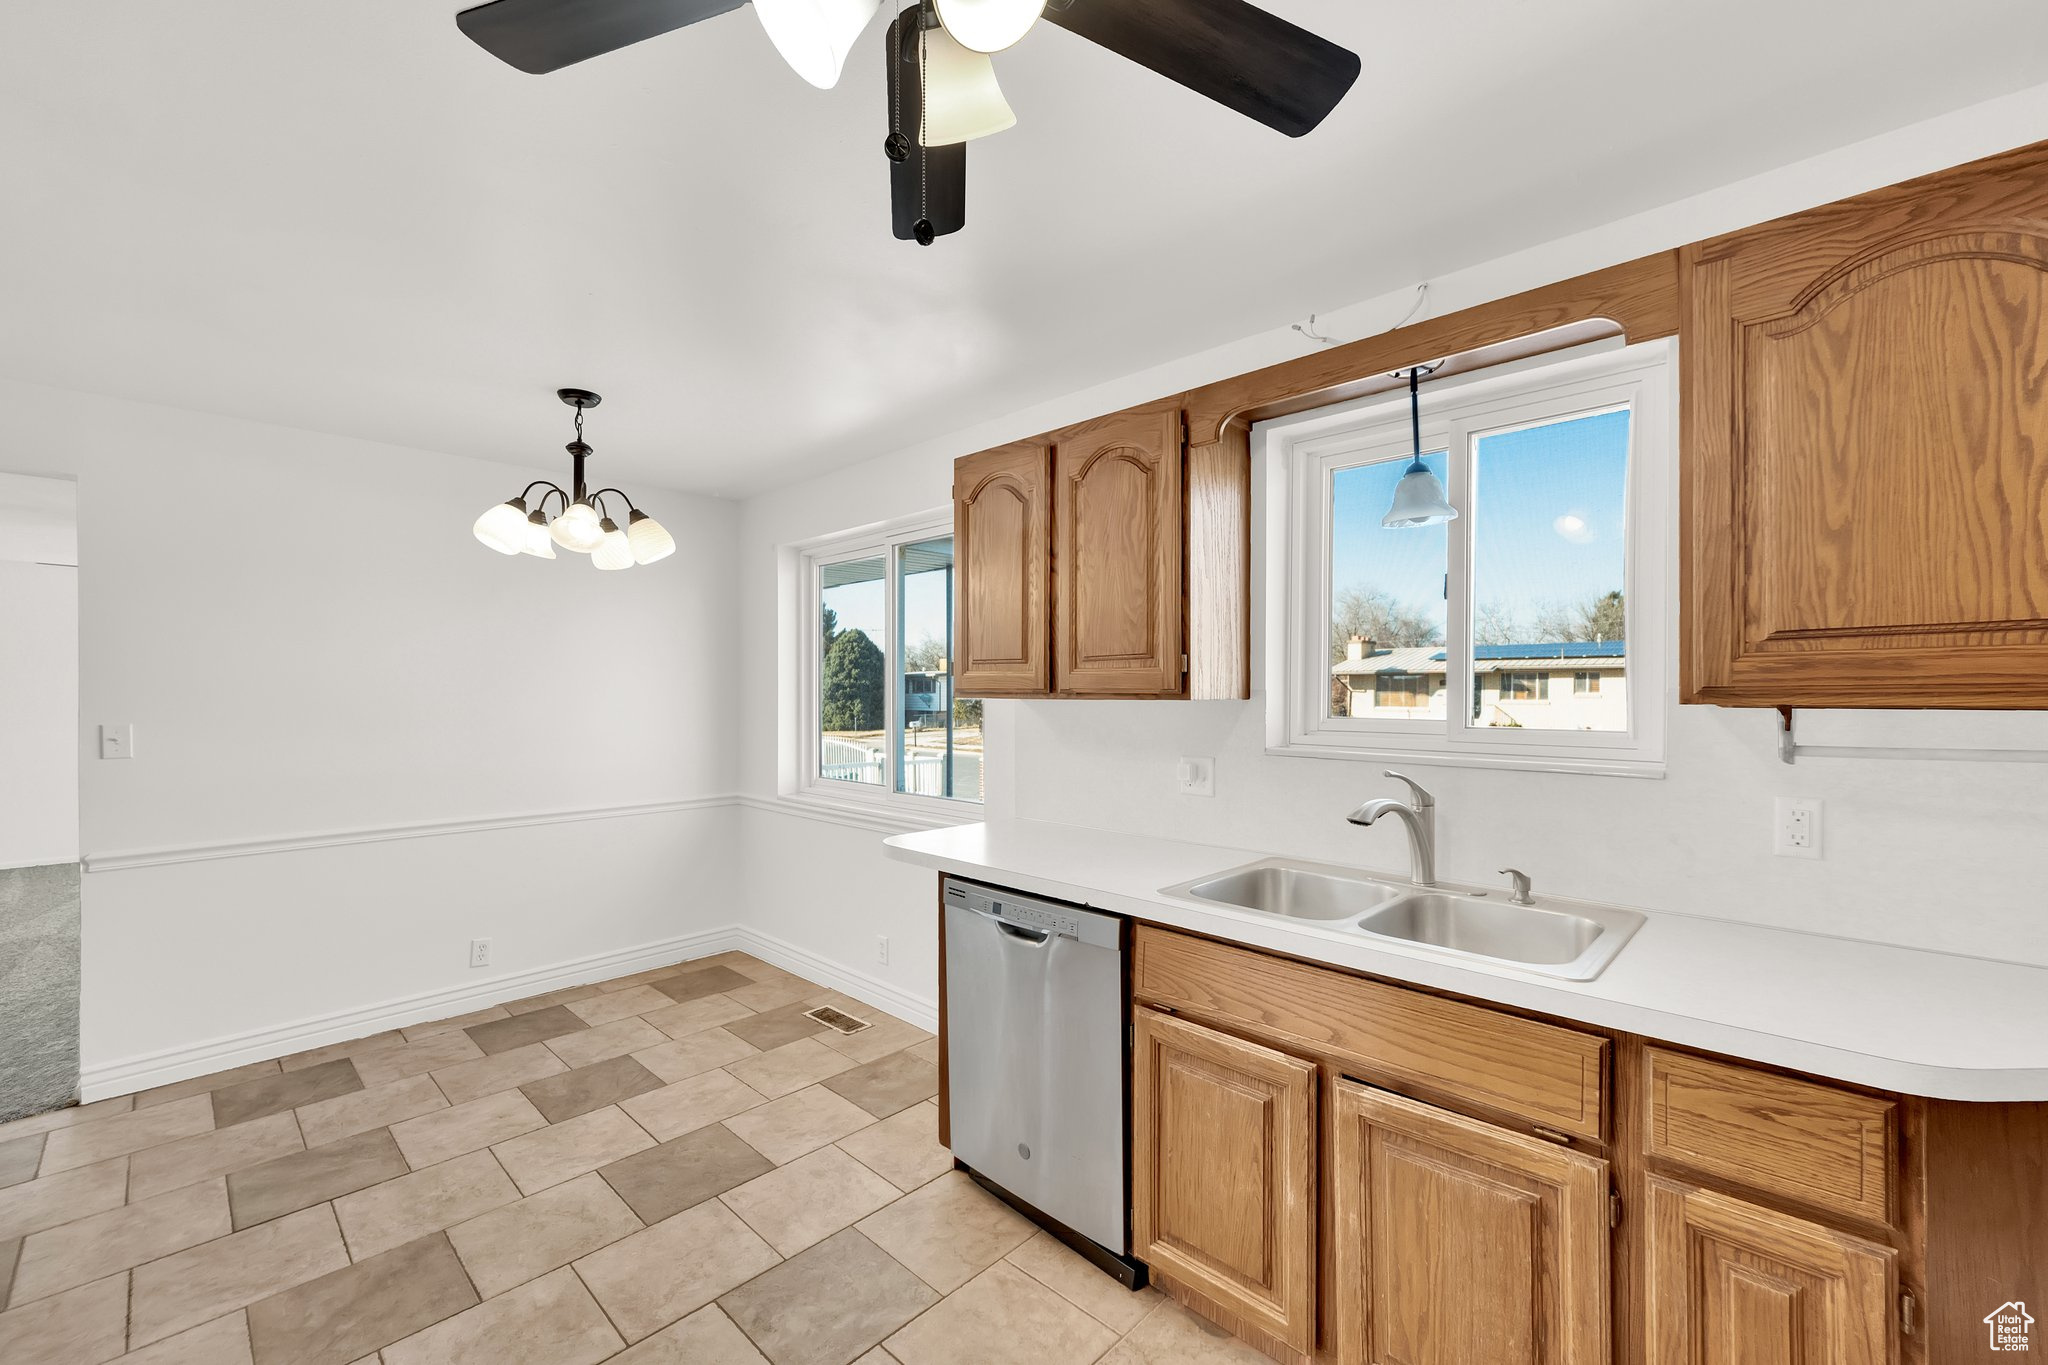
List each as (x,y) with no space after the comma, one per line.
(1547,518)
(861,606)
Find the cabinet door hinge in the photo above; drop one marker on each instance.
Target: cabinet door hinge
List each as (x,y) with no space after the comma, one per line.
(1909,1313)
(1183,665)
(1613,1210)
(1552,1135)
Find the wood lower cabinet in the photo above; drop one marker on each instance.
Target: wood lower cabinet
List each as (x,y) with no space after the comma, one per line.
(1223,1156)
(1002,544)
(1732,1283)
(1457,1242)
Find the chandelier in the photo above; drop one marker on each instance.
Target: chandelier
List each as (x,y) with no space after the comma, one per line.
(583,522)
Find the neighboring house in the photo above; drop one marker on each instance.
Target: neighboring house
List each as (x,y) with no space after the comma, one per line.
(2011,1327)
(925,698)
(1564,685)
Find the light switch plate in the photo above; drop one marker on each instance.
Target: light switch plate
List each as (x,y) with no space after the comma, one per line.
(117,741)
(1197,776)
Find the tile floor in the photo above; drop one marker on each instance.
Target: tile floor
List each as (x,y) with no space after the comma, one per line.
(674,1168)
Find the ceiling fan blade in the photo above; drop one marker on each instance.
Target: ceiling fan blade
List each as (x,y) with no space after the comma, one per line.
(930,182)
(1235,53)
(539,36)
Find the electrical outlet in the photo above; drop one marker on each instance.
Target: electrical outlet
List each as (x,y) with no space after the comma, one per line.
(881,950)
(479,952)
(117,741)
(1197,776)
(1798,828)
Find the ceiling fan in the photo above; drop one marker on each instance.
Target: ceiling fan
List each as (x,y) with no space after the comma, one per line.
(942,89)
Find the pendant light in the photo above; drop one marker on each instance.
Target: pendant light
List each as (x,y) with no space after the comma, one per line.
(961,98)
(988,25)
(1419,498)
(583,524)
(814,36)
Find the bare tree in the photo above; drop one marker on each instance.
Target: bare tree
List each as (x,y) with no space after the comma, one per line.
(1597,618)
(1495,623)
(1376,615)
(926,656)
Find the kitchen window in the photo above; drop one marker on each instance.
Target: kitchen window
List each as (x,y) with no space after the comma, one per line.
(879,721)
(1544,602)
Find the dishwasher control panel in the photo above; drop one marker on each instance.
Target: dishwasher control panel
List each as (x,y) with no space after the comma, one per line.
(1030,912)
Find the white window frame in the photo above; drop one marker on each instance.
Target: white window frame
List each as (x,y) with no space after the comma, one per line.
(1298,454)
(883,541)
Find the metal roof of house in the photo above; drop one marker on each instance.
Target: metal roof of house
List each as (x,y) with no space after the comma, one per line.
(1485,658)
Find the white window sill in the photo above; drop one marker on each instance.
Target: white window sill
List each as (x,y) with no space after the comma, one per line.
(888,816)
(1592,767)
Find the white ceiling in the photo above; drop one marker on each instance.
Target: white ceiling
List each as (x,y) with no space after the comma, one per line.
(344,216)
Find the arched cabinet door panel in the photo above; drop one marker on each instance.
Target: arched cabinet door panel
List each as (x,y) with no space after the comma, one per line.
(1117,573)
(1002,531)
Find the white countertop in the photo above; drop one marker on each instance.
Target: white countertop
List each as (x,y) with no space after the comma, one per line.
(1920,1023)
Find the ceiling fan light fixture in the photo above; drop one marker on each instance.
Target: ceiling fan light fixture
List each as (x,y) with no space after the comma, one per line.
(649,538)
(503,527)
(814,36)
(961,98)
(989,25)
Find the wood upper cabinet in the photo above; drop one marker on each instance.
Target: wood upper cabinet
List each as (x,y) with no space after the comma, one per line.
(1002,534)
(1734,1284)
(1118,589)
(1457,1242)
(1866,449)
(1223,1171)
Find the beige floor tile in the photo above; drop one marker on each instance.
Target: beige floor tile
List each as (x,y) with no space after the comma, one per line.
(672,1269)
(466,1081)
(692,1054)
(379,1106)
(224,1341)
(684,1172)
(288,1090)
(603,1008)
(1172,1335)
(218,1277)
(287,1184)
(489,1014)
(434,1138)
(524,1030)
(20,1158)
(552,1321)
(886,1035)
(67,1117)
(888,1086)
(199,1085)
(878,1356)
(560,997)
(327,1052)
(768,995)
(651,975)
(1002,1317)
(808,1200)
(743,962)
(689,1104)
(93,1248)
(525,1240)
(590,1087)
(398,1211)
(783,1130)
(680,1021)
(563,1151)
(772,1028)
(1048,1260)
(346,1313)
(903,1148)
(606,1041)
(697,982)
(396,1060)
(948,1232)
(706,1337)
(202,1156)
(829,1304)
(926,1051)
(55,1199)
(84,1326)
(790,1067)
(85,1144)
(10,1252)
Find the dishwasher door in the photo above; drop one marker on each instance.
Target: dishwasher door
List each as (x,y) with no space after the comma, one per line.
(1035,1054)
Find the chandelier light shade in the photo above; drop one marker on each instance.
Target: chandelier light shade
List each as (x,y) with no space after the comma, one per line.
(961,98)
(814,36)
(583,523)
(1419,499)
(988,25)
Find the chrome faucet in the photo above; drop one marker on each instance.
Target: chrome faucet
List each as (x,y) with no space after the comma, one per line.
(1419,814)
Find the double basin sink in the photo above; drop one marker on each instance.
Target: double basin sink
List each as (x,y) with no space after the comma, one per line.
(1574,943)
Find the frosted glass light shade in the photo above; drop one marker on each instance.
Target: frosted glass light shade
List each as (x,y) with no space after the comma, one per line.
(649,539)
(1419,499)
(614,551)
(539,543)
(961,98)
(577,529)
(989,25)
(814,36)
(503,528)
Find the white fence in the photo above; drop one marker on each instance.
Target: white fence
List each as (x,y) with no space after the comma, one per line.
(924,773)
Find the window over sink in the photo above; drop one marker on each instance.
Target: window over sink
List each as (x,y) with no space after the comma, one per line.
(1530,630)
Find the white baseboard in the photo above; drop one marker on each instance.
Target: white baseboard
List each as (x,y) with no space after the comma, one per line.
(130,1074)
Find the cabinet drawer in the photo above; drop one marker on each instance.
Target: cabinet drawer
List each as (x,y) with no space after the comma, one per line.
(1548,1075)
(1824,1147)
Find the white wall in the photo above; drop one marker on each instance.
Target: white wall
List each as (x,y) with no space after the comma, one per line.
(38,714)
(1928,854)
(309,641)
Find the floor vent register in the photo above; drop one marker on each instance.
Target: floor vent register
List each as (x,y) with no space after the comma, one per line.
(838,1020)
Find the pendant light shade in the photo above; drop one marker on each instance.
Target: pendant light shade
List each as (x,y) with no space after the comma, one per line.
(1419,498)
(989,25)
(814,36)
(539,543)
(579,529)
(503,528)
(649,539)
(961,98)
(614,551)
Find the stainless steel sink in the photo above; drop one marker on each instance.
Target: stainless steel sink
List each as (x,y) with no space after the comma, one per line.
(1293,890)
(1486,928)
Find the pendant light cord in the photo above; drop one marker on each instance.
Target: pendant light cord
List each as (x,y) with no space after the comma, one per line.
(1415,411)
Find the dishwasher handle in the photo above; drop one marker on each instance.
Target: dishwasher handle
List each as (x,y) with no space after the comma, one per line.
(1035,937)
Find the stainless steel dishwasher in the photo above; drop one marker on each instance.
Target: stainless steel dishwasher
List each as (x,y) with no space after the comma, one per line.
(1036,1030)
